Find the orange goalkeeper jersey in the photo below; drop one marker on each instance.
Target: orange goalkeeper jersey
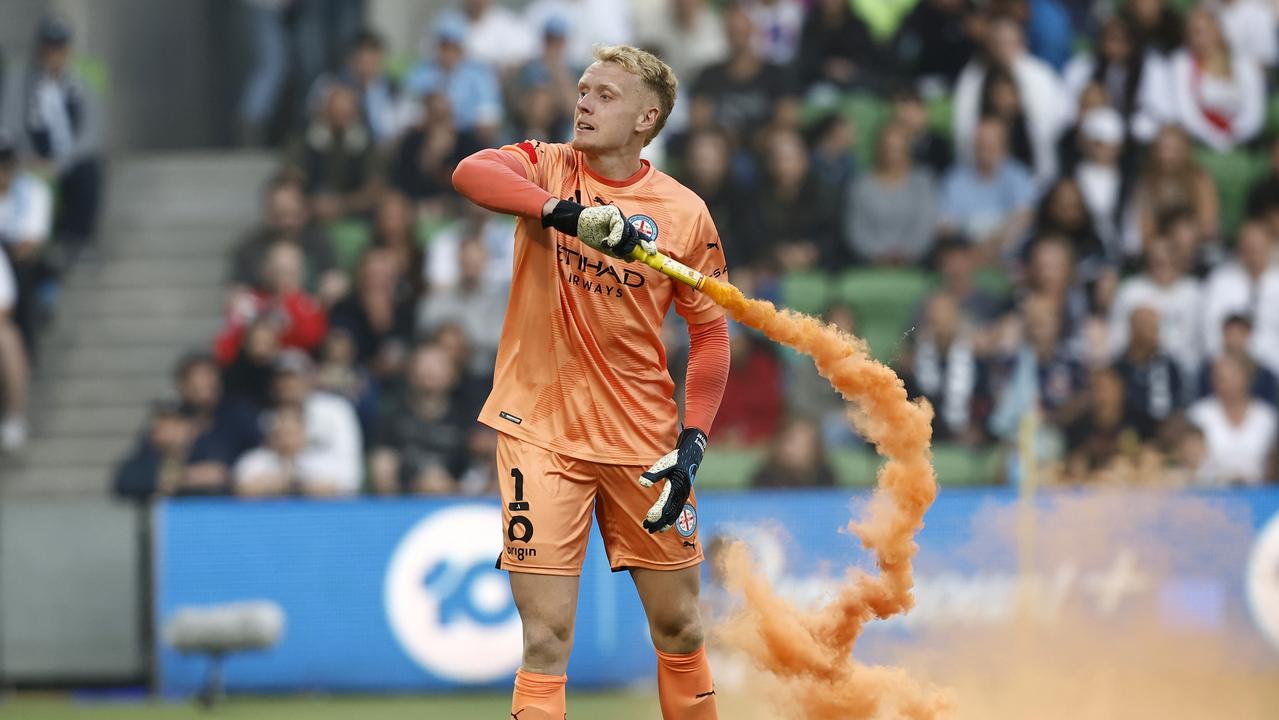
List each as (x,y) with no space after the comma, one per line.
(581,368)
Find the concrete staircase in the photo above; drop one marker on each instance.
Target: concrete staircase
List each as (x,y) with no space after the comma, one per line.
(153,291)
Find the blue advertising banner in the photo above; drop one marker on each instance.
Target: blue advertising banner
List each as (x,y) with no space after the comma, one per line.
(402,595)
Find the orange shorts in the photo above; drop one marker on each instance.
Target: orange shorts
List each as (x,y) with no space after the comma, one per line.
(547,499)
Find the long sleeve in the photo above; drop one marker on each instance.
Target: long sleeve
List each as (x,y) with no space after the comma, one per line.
(708,359)
(495,180)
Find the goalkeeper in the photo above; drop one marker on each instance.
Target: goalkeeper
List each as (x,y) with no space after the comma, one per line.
(581,396)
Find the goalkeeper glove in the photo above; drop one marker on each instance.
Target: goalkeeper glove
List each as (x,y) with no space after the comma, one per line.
(603,227)
(678,467)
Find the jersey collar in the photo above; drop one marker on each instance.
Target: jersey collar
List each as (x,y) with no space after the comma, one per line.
(635,178)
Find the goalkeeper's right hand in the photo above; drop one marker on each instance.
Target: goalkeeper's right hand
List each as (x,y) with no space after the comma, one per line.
(603,227)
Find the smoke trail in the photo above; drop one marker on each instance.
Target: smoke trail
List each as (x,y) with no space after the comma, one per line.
(810,654)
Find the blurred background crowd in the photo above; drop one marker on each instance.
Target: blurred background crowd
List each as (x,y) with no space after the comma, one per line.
(1056,219)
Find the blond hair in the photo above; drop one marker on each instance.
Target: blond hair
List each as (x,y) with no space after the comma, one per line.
(655,74)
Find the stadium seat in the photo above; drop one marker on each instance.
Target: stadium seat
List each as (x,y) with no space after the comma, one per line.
(884,301)
(959,465)
(855,467)
(349,238)
(93,71)
(994,281)
(867,113)
(941,115)
(808,292)
(1234,172)
(729,468)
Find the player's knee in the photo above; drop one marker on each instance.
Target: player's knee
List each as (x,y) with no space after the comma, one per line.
(679,632)
(546,643)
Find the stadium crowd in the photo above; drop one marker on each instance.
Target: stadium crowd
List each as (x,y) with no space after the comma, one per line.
(1056,220)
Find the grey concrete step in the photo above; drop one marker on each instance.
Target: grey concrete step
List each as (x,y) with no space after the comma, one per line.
(125,332)
(71,452)
(134,302)
(100,391)
(64,481)
(109,362)
(147,272)
(114,420)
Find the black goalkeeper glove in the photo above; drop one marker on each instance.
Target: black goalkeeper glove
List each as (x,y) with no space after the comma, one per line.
(678,467)
(603,227)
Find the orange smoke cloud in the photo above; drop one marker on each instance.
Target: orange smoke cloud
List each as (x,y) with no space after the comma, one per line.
(810,653)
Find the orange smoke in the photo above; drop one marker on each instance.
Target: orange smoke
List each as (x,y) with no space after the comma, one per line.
(810,653)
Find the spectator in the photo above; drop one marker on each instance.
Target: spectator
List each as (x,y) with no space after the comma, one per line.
(493,34)
(956,269)
(339,373)
(475,384)
(470,86)
(26,213)
(1099,437)
(426,155)
(333,440)
(551,71)
(477,306)
(742,90)
(421,447)
(1062,213)
(1171,180)
(287,464)
(298,318)
(706,172)
(1042,97)
(590,22)
(689,35)
(286,219)
(1039,372)
(1240,287)
(778,25)
(1157,25)
(1240,431)
(366,75)
(1050,271)
(13,367)
(269,27)
(224,426)
(338,158)
(1179,300)
(158,464)
(480,477)
(1236,334)
(377,315)
(793,219)
(1153,385)
(1100,176)
(944,367)
(936,41)
(987,201)
(1125,73)
(796,458)
(811,395)
(394,232)
(836,49)
(250,374)
(928,147)
(752,400)
(64,127)
(1188,251)
(494,229)
(1001,99)
(1218,96)
(1250,28)
(832,140)
(891,214)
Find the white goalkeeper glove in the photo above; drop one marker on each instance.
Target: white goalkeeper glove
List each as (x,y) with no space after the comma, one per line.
(603,227)
(679,468)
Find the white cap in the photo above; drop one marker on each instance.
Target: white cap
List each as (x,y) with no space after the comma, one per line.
(1103,125)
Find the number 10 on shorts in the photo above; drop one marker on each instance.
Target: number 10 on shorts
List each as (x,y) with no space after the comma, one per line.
(520,528)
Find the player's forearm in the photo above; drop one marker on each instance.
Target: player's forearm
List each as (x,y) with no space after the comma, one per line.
(708,359)
(496,181)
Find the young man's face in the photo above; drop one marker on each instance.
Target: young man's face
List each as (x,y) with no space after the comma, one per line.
(612,106)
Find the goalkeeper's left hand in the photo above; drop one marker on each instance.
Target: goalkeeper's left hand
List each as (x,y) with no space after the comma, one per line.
(678,467)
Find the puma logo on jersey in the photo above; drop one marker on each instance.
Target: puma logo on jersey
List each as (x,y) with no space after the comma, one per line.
(712,246)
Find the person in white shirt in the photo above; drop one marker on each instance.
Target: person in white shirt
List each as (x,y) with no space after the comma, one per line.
(25,220)
(495,35)
(590,22)
(1239,431)
(285,465)
(333,439)
(1044,98)
(778,25)
(1217,95)
(1250,27)
(1098,174)
(1177,297)
(1247,285)
(689,34)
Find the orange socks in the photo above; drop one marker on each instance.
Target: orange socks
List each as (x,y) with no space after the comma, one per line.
(685,687)
(538,697)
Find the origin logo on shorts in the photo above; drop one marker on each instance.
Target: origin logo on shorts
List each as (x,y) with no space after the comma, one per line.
(686,523)
(645,225)
(446,605)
